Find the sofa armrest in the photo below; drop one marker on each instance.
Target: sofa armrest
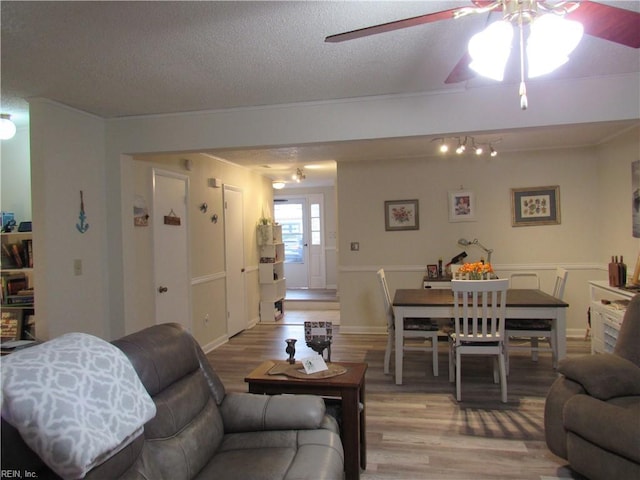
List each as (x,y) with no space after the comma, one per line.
(247,412)
(612,427)
(603,376)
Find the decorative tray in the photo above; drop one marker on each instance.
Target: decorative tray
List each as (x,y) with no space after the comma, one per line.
(296,370)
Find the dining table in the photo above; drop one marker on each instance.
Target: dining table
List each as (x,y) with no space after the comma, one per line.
(438,303)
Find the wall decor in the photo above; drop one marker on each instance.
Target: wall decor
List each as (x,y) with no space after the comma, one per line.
(140,212)
(535,206)
(401,215)
(82,225)
(462,206)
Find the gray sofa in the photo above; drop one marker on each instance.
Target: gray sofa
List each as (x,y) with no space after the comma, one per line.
(199,430)
(592,411)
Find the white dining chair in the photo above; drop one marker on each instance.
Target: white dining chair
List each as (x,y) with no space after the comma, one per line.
(479,308)
(414,328)
(534,330)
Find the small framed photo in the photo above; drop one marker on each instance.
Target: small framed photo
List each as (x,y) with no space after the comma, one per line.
(11,324)
(535,206)
(462,206)
(401,215)
(432,271)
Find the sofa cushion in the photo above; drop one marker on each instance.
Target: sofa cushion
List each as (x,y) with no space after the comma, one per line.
(603,376)
(281,454)
(76,401)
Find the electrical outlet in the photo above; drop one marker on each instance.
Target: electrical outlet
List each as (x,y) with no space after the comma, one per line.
(77,267)
(206,319)
(355,246)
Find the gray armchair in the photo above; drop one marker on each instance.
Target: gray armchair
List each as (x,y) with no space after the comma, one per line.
(592,411)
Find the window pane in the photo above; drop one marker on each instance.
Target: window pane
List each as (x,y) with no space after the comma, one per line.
(315,209)
(290,217)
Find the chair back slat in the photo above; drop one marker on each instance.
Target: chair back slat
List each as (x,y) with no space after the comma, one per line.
(561,280)
(479,308)
(386,296)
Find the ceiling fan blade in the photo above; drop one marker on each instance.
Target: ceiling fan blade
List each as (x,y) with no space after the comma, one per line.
(390,26)
(611,23)
(461,72)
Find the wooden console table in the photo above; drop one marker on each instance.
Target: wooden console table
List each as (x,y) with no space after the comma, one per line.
(348,387)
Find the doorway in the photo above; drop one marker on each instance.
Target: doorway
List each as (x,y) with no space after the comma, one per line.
(171,248)
(302,220)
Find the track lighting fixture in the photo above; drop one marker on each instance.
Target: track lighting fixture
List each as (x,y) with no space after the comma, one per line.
(299,175)
(466,143)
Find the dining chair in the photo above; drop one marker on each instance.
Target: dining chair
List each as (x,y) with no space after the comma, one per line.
(536,329)
(479,308)
(413,328)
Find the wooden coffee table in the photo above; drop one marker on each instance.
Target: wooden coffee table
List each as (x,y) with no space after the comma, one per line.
(349,387)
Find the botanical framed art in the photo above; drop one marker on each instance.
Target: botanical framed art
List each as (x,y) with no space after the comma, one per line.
(462,206)
(401,215)
(535,206)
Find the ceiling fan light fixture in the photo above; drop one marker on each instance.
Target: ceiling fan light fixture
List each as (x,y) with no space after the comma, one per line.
(551,40)
(490,49)
(444,148)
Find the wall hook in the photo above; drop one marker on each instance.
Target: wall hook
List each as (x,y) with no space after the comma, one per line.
(214,218)
(204,207)
(82,226)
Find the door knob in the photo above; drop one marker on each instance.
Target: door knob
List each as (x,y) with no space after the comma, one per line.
(162,289)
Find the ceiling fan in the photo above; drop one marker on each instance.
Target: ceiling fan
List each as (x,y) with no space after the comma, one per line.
(599,20)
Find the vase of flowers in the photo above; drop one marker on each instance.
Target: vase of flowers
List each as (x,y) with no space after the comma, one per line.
(476,271)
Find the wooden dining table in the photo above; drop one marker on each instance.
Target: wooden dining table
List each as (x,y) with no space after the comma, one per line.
(438,303)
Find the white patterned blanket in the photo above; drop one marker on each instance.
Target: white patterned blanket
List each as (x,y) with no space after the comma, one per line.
(76,400)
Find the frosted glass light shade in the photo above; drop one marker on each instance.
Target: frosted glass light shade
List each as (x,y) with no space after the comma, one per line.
(7,128)
(490,50)
(551,40)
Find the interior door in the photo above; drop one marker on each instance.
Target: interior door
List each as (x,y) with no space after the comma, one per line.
(171,248)
(234,259)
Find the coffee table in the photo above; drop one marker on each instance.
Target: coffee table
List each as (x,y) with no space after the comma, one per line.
(349,387)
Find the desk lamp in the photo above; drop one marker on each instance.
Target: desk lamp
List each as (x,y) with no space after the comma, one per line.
(464,242)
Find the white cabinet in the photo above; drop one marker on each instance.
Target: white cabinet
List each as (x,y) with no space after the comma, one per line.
(607,307)
(271,272)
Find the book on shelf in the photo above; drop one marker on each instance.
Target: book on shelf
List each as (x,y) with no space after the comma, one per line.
(18,255)
(12,284)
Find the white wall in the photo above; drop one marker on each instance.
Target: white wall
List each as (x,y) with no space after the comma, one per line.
(577,243)
(72,151)
(67,156)
(15,176)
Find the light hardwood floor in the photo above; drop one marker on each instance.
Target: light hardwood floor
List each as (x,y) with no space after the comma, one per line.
(418,430)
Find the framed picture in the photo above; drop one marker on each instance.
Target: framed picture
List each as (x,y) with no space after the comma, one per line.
(462,206)
(535,206)
(432,271)
(401,215)
(11,324)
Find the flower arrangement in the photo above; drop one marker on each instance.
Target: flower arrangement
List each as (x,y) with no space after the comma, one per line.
(476,271)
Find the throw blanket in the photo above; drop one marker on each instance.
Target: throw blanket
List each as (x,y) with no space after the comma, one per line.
(76,400)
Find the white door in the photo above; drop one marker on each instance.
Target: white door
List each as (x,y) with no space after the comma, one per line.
(234,260)
(171,248)
(302,220)
(290,212)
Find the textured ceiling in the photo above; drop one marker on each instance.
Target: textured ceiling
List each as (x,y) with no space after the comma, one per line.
(118,59)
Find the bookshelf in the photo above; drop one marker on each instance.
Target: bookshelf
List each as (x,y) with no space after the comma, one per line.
(16,292)
(271,273)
